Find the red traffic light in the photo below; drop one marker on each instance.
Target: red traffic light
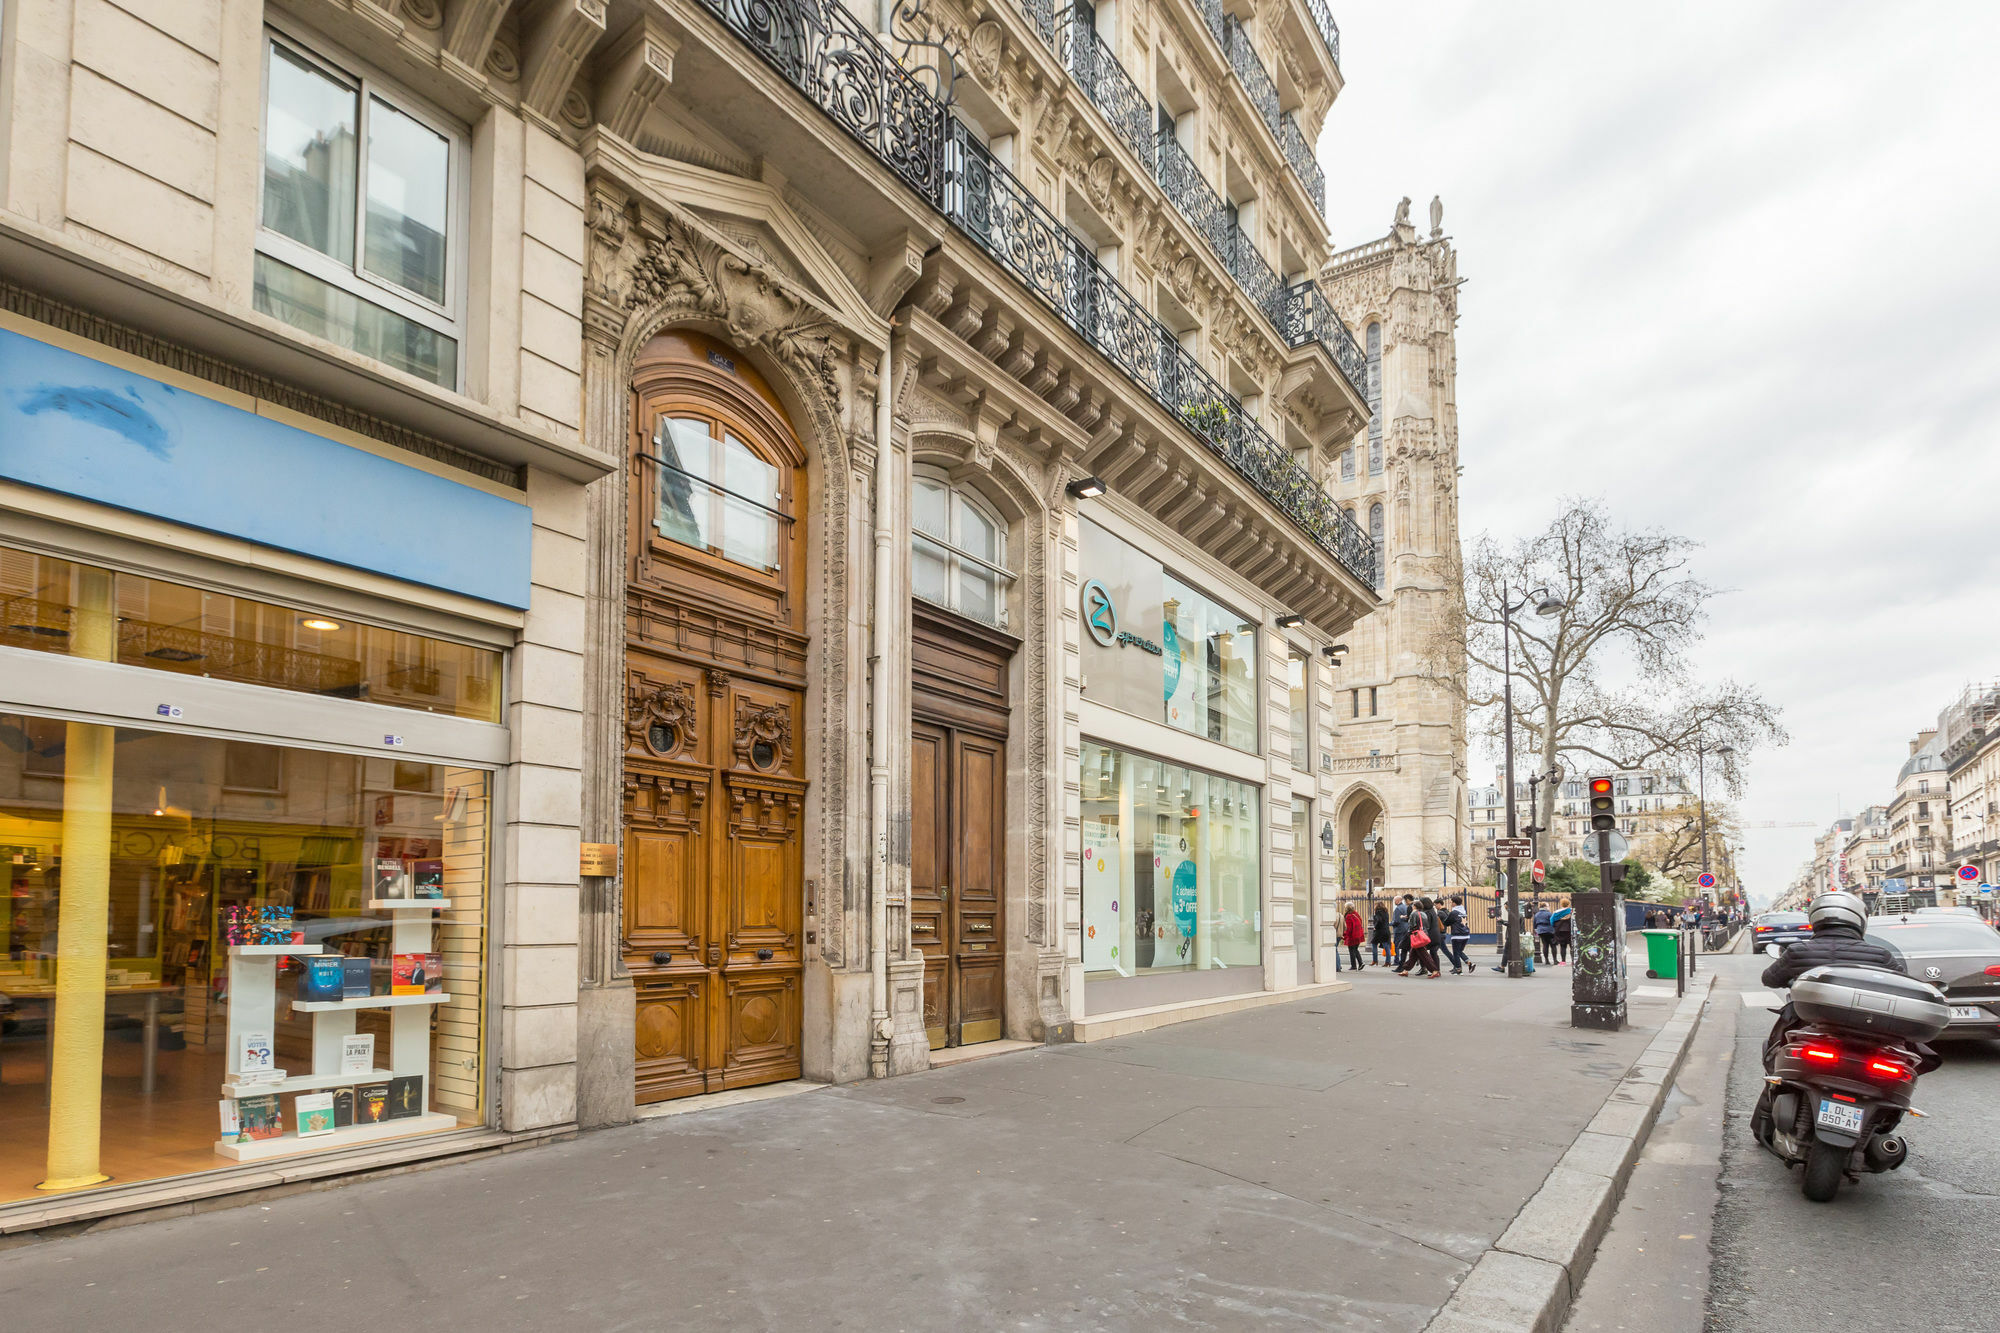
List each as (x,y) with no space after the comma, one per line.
(1600,786)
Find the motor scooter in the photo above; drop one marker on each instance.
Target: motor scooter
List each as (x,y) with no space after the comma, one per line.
(1839,1086)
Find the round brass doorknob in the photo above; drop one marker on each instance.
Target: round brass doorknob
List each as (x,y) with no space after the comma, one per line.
(663,958)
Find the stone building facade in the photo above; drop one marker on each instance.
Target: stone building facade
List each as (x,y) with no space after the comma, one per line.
(1397,734)
(794,534)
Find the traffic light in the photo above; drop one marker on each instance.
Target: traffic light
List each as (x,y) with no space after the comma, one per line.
(1603,814)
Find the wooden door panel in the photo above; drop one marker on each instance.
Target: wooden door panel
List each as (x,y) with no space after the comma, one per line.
(669,1031)
(760,1020)
(663,890)
(979,784)
(930,871)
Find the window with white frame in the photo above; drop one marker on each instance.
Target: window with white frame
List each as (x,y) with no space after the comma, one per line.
(361,227)
(958,555)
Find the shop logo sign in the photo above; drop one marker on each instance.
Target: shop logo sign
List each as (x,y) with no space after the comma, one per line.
(1100,616)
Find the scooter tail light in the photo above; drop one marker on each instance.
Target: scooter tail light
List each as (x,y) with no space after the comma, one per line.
(1888,1069)
(1993,971)
(1826,1055)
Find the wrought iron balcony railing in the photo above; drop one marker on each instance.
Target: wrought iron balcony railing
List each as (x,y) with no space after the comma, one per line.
(1193,195)
(1329,31)
(1298,152)
(841,68)
(1250,69)
(1254,275)
(1042,14)
(1306,317)
(1096,69)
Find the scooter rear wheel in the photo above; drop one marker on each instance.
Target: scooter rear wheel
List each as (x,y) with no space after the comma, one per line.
(1824,1164)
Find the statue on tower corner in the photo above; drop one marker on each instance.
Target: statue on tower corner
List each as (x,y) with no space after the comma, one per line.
(1402,229)
(1437,217)
(1403,212)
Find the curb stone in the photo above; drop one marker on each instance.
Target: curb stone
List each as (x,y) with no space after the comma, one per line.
(1526,1281)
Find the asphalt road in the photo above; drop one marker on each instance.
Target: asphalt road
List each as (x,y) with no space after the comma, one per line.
(1914,1249)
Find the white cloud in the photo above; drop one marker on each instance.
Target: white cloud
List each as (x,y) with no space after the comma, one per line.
(1732,266)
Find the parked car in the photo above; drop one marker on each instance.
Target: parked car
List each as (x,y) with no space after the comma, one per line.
(1960,957)
(1779,928)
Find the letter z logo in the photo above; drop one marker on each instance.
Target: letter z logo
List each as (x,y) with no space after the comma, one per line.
(1100,617)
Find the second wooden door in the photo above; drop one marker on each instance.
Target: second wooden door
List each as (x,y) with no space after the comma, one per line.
(957,854)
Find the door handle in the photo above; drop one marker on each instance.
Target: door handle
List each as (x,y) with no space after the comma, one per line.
(944,893)
(662,958)
(763,955)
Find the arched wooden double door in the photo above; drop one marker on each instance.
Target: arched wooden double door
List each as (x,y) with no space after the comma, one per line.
(715,760)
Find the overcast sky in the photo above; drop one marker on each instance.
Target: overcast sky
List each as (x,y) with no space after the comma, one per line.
(1735,267)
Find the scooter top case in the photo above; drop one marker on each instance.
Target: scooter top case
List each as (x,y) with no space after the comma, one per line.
(1870,1001)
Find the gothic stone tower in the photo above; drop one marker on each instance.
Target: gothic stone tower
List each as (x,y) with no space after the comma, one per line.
(1400,740)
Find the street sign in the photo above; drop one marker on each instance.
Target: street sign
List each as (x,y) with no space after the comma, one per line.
(1541,872)
(1514,849)
(1620,849)
(1706,880)
(1968,873)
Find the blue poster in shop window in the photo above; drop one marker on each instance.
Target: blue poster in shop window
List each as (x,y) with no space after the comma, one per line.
(1172,643)
(1184,896)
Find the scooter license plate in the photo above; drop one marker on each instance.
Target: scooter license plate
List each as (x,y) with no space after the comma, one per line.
(1961,1012)
(1839,1115)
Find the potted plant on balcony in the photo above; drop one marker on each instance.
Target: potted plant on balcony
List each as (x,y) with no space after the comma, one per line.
(1211,418)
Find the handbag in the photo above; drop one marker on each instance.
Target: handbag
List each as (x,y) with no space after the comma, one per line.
(1419,937)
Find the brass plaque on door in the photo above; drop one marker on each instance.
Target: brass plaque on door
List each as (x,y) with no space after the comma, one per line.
(597,858)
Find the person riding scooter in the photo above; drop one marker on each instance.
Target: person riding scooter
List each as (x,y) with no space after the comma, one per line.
(1839,937)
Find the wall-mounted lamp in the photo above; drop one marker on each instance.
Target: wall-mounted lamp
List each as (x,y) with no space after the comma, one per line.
(1334,652)
(1086,488)
(1290,620)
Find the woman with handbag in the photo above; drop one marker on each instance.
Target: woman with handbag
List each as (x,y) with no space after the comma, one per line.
(1424,934)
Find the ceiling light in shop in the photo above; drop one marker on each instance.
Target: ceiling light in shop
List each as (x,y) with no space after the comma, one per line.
(320,623)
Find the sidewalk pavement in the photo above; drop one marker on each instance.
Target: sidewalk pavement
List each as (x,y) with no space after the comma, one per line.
(1340,1162)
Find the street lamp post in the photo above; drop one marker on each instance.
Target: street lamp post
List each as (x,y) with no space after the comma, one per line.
(1701,783)
(1546,604)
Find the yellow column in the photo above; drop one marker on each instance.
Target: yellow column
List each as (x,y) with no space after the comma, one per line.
(76,1073)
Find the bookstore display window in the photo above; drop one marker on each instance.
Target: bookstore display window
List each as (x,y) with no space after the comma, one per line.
(219,951)
(46,602)
(1171,867)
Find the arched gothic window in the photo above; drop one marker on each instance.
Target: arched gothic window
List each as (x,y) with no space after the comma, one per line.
(958,558)
(1375,536)
(1374,400)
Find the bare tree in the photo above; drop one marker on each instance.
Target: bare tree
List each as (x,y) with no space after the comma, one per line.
(1605,683)
(1671,847)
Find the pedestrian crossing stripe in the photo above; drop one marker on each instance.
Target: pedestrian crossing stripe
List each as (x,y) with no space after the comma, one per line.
(1762,999)
(1656,992)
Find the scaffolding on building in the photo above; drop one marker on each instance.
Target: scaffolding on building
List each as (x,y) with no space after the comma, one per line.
(1964,725)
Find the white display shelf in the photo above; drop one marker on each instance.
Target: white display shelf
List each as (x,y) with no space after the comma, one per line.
(288,1143)
(370,1002)
(274,950)
(306,1083)
(405,904)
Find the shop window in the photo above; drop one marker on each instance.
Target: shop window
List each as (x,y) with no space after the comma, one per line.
(958,551)
(1211,683)
(314,949)
(1172,879)
(360,235)
(47,603)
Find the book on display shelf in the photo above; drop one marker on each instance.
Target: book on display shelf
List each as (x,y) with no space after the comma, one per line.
(428,880)
(255,1054)
(357,1053)
(371,1103)
(312,1113)
(231,1126)
(433,974)
(343,1107)
(357,978)
(321,978)
(409,974)
(391,880)
(259,1117)
(406,1096)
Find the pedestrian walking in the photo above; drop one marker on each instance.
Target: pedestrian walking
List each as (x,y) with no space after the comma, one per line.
(1350,935)
(1380,947)
(1425,931)
(1561,922)
(1458,933)
(1399,926)
(1545,936)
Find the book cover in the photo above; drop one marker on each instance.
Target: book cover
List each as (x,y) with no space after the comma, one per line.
(406,974)
(313,1113)
(428,881)
(391,881)
(343,1107)
(254,1054)
(433,974)
(321,978)
(357,1053)
(231,1127)
(356,977)
(261,1117)
(406,1096)
(371,1103)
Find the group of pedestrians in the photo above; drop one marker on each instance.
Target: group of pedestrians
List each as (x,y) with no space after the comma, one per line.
(1416,934)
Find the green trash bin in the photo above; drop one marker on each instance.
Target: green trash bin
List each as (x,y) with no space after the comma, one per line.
(1663,953)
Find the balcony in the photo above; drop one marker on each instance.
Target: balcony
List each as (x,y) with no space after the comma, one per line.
(1256,277)
(1193,195)
(1096,69)
(1299,153)
(822,50)
(1328,30)
(1042,17)
(1250,70)
(1306,317)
